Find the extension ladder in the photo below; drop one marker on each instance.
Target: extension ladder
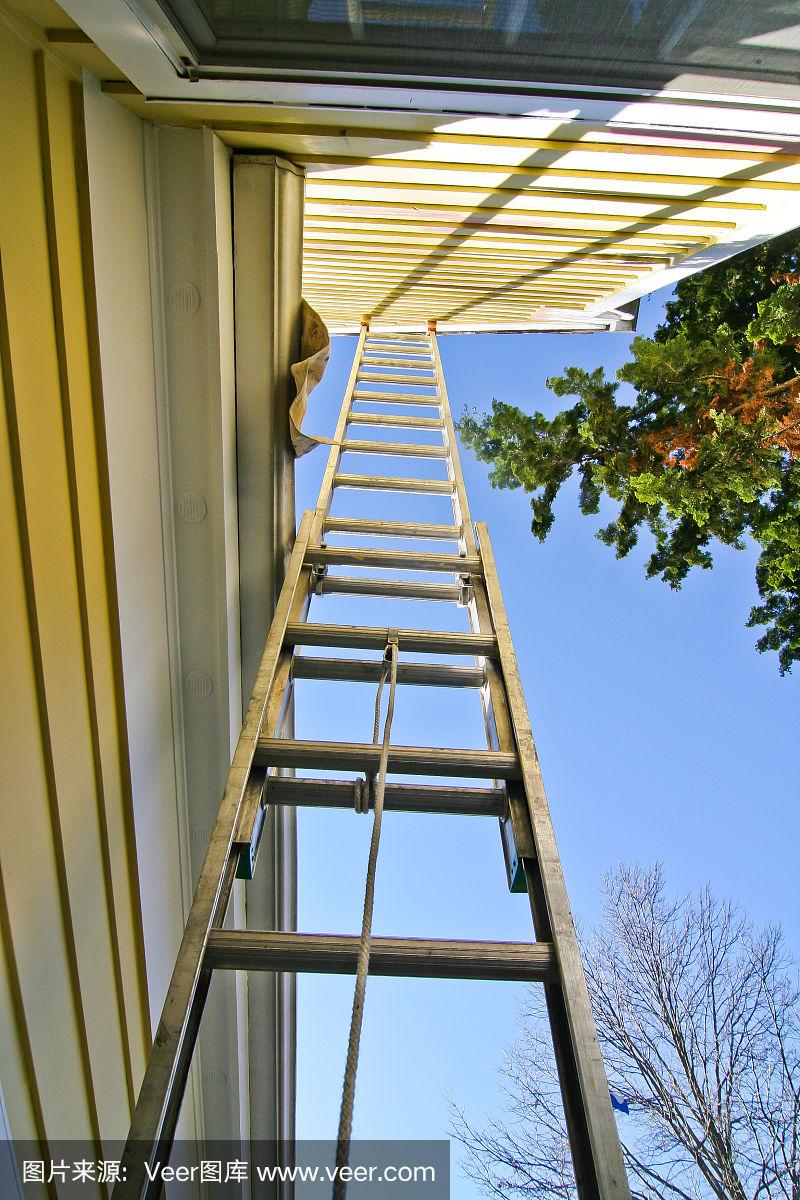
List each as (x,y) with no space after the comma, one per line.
(393,373)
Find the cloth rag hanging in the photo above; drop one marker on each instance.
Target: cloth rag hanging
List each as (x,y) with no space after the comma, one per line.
(315,350)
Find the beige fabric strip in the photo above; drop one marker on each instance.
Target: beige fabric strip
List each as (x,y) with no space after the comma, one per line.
(315,350)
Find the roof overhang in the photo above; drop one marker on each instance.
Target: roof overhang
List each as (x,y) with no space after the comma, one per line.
(479,203)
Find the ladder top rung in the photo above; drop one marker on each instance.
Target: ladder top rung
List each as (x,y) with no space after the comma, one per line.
(390,483)
(438,798)
(398,449)
(399,529)
(406,760)
(371,637)
(369,670)
(408,560)
(424,958)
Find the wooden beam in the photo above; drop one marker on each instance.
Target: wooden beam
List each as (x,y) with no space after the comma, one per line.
(370,637)
(252,950)
(405,760)
(660,199)
(398,797)
(400,589)
(406,560)
(365,670)
(387,483)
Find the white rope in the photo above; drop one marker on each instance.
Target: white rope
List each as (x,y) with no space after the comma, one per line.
(362,791)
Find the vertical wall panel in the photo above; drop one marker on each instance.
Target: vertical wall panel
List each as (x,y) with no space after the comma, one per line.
(122,278)
(84,423)
(137,446)
(268,217)
(190,230)
(72,983)
(35,950)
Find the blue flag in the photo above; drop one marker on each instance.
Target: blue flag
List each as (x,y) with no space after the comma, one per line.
(619,1105)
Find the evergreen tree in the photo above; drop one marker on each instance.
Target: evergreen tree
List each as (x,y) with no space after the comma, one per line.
(708,452)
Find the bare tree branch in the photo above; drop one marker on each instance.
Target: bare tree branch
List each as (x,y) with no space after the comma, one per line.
(698,1016)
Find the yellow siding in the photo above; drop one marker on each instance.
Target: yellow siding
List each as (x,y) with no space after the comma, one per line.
(73,987)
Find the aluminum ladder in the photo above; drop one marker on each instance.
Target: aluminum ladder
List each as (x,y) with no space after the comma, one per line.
(393,373)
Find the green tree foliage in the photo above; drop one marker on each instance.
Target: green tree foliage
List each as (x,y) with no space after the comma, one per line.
(707,452)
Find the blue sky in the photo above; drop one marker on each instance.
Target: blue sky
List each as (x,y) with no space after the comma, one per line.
(662,734)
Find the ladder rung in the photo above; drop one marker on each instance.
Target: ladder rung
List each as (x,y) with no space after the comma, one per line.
(401,589)
(418,361)
(388,420)
(401,529)
(370,637)
(405,760)
(411,380)
(389,345)
(394,355)
(397,797)
(396,398)
(406,560)
(381,355)
(389,483)
(364,670)
(423,958)
(397,341)
(396,449)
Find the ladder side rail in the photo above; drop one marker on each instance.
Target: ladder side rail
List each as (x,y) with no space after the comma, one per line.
(460,502)
(275,719)
(501,736)
(605,1154)
(335,456)
(561,1036)
(519,851)
(161,1092)
(517,841)
(496,715)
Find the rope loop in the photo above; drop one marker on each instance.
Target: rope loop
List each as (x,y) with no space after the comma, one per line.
(364,791)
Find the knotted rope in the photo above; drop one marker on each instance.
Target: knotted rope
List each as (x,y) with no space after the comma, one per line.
(376,786)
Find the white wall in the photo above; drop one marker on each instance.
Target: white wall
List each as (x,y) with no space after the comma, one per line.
(139,484)
(268,197)
(192,281)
